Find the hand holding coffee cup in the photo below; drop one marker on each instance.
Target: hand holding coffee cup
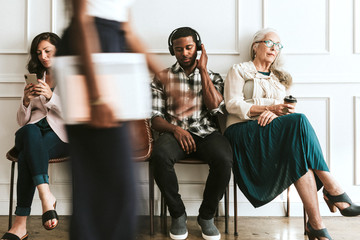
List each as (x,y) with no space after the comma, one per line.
(289,100)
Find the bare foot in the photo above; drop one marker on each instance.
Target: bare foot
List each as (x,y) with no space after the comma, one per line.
(19,226)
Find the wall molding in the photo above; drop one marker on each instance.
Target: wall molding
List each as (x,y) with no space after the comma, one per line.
(325,51)
(326,100)
(53,16)
(58,178)
(356,16)
(326,79)
(313,79)
(11,78)
(10,145)
(357,140)
(24,48)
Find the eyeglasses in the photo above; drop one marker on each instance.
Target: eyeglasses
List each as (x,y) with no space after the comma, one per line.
(270,44)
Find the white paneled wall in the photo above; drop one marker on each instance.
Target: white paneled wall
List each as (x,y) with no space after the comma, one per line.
(297,36)
(357,26)
(357,138)
(322,52)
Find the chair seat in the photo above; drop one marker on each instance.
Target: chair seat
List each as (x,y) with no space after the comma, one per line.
(191,161)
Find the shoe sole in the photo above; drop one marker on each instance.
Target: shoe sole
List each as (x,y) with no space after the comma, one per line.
(206,237)
(178,237)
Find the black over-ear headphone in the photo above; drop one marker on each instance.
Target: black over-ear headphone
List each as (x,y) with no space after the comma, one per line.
(197,41)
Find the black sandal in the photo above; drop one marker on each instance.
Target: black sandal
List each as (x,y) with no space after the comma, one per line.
(51,214)
(316,234)
(351,211)
(11,236)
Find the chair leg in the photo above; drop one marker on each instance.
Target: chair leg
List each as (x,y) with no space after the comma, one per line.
(164,213)
(151,198)
(227,209)
(305,220)
(235,209)
(288,202)
(11,193)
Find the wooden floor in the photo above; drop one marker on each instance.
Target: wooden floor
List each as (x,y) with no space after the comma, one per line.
(250,228)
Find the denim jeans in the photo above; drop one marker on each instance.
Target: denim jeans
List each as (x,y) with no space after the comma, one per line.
(213,149)
(35,148)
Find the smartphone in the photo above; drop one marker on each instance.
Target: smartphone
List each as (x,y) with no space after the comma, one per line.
(31,78)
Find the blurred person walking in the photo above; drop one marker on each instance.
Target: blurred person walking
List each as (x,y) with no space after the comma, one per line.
(104,203)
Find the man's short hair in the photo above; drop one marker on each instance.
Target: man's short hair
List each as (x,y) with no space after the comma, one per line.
(184,32)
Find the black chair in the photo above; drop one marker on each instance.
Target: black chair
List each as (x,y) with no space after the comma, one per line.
(163,212)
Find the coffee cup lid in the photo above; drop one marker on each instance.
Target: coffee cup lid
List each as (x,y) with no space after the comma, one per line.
(290,99)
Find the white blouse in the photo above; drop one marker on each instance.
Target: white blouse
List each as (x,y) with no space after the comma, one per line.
(244,87)
(116,10)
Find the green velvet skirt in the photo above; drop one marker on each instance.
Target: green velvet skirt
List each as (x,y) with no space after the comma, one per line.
(267,160)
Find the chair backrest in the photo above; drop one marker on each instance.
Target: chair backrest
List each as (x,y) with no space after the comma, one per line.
(12,155)
(221,122)
(141,139)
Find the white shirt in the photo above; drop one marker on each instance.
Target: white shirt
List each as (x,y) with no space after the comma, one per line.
(245,86)
(116,10)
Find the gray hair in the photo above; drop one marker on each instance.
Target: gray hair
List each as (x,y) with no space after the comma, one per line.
(276,67)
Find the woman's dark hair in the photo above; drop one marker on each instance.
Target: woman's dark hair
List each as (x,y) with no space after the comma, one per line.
(34,65)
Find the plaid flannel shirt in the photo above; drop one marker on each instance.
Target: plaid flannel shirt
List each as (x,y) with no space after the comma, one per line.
(201,121)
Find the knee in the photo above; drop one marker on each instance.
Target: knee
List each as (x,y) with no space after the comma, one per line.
(299,117)
(160,158)
(223,159)
(29,131)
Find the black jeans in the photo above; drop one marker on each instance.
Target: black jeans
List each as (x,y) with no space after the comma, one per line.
(214,149)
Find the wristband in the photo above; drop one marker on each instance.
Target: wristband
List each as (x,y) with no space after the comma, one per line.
(98,101)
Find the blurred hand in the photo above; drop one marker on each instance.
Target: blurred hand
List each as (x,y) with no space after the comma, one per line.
(185,140)
(102,116)
(266,118)
(184,102)
(282,109)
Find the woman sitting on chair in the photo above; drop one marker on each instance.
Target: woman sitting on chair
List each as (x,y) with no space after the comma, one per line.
(273,146)
(41,137)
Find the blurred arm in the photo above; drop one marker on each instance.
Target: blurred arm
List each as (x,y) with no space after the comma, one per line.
(86,43)
(136,45)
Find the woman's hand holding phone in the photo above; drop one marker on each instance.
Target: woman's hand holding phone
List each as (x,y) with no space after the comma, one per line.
(33,90)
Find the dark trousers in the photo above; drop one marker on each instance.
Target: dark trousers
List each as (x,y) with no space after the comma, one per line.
(104,205)
(104,196)
(35,148)
(213,149)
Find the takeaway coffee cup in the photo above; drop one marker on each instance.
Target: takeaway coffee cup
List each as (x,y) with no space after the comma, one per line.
(289,100)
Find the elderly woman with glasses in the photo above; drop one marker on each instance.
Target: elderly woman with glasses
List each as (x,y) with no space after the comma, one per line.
(273,146)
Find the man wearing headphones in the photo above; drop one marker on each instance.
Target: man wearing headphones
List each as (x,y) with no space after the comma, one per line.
(192,135)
